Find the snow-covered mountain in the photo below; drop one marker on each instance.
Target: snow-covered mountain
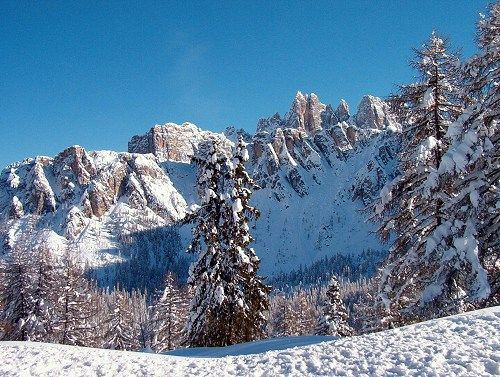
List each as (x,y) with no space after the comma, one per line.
(317,168)
(462,345)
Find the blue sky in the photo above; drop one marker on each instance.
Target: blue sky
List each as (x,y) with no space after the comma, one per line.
(96,73)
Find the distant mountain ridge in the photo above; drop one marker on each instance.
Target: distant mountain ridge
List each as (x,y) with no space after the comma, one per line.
(316,166)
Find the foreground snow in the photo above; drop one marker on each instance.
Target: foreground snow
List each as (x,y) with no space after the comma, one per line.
(463,345)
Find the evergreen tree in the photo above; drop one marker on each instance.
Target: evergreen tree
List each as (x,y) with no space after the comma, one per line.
(206,318)
(230,298)
(143,318)
(281,321)
(28,281)
(121,332)
(77,307)
(472,163)
(334,318)
(411,206)
(250,295)
(168,318)
(101,308)
(304,314)
(41,322)
(16,295)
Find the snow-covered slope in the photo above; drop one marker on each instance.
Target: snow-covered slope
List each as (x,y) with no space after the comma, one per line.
(317,168)
(89,200)
(462,345)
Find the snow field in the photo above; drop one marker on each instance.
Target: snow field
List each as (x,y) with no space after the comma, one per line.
(462,345)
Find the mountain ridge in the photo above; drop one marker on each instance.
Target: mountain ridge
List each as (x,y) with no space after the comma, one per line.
(312,156)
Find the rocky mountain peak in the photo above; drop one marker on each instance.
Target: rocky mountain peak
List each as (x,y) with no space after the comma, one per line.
(171,142)
(305,113)
(269,124)
(342,111)
(232,133)
(374,113)
(77,161)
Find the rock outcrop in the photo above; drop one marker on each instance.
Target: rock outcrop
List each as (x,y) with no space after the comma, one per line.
(374,113)
(312,136)
(79,186)
(305,114)
(171,142)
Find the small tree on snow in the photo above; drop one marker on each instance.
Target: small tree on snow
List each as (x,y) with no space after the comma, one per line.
(121,332)
(41,322)
(76,306)
(281,321)
(16,295)
(334,318)
(168,317)
(304,313)
(28,293)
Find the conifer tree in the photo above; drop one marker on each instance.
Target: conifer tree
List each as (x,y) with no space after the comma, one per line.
(250,295)
(303,313)
(472,162)
(230,298)
(281,321)
(41,322)
(76,308)
(334,318)
(28,285)
(16,294)
(143,318)
(168,318)
(121,332)
(205,320)
(411,206)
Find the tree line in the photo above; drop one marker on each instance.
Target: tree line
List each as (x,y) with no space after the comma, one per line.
(50,299)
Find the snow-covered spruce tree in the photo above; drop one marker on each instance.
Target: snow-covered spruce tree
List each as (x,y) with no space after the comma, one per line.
(16,294)
(334,318)
(121,331)
(76,306)
(205,317)
(229,299)
(472,163)
(250,294)
(168,317)
(415,277)
(40,324)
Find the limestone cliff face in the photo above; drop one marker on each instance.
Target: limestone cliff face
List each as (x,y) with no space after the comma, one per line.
(171,142)
(305,114)
(77,186)
(313,137)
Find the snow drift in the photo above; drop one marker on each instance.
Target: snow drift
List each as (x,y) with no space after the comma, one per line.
(461,345)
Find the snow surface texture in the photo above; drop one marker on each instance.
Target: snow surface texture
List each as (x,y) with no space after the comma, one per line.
(462,345)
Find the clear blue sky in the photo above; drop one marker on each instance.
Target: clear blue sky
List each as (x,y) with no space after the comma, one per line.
(96,73)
